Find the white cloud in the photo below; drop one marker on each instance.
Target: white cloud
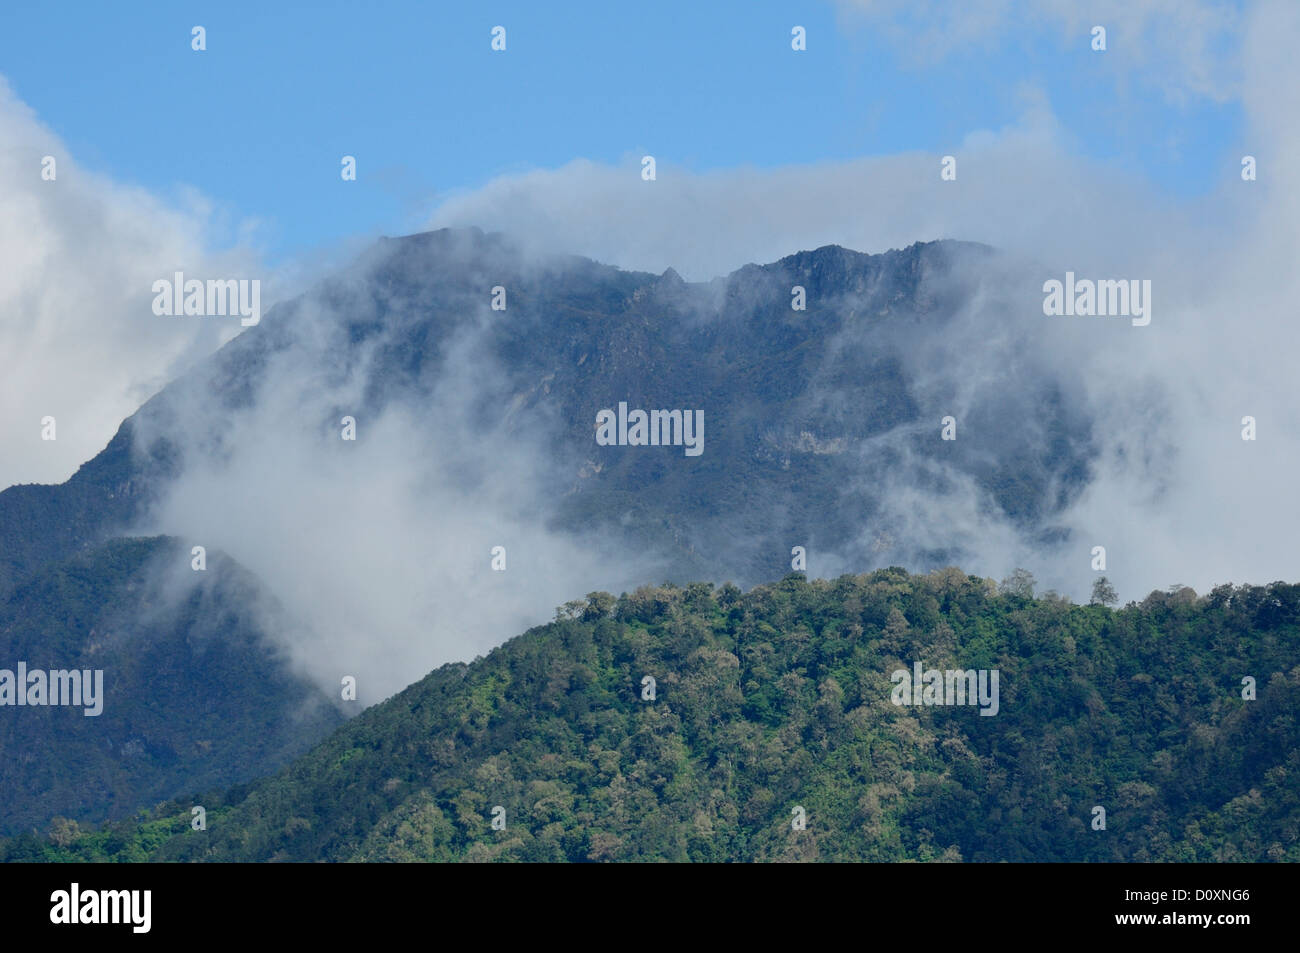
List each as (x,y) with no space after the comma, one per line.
(1182,47)
(1178,496)
(1018,188)
(379,548)
(79,338)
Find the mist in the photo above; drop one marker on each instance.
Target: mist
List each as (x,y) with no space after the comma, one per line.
(1175,495)
(81,252)
(379,550)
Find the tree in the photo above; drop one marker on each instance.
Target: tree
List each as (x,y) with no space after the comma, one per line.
(1019,583)
(572,609)
(1103,593)
(895,633)
(63,831)
(599,605)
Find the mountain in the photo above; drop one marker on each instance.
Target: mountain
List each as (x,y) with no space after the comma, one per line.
(194,694)
(818,421)
(783,698)
(475,426)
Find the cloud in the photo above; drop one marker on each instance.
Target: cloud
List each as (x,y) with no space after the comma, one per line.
(1184,48)
(80,340)
(1018,188)
(378,549)
(1175,495)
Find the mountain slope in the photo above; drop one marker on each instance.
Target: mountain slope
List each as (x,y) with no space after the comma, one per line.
(781,698)
(193,693)
(818,422)
(475,427)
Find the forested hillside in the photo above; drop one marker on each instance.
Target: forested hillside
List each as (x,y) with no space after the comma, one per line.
(193,692)
(780,698)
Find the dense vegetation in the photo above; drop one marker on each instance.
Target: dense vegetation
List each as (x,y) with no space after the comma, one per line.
(780,697)
(193,694)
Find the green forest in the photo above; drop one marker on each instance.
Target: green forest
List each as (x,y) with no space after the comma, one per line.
(195,693)
(777,699)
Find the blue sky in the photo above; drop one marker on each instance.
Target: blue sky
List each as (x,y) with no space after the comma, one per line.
(259,121)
